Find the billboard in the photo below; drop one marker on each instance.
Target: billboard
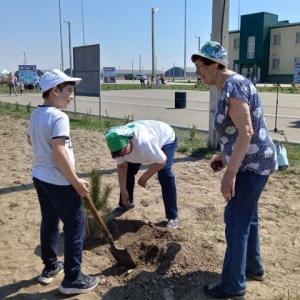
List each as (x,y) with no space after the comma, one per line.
(28,74)
(297,72)
(87,66)
(109,75)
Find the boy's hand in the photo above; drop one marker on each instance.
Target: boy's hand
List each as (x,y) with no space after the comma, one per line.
(125,197)
(81,187)
(142,181)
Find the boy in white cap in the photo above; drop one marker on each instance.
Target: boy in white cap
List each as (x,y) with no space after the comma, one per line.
(57,185)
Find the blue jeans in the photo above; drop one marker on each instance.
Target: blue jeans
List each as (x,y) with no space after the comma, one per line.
(241,218)
(166,179)
(12,86)
(61,202)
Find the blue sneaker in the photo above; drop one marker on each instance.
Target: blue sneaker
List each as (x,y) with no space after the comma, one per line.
(48,275)
(214,291)
(119,210)
(82,284)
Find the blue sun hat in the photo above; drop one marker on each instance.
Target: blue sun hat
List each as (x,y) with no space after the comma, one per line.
(213,51)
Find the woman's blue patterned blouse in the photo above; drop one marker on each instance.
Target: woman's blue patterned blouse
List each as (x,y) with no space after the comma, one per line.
(261,155)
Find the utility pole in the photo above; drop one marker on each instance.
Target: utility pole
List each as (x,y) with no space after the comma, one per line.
(70,46)
(198,37)
(140,63)
(153,11)
(220,26)
(61,42)
(184,40)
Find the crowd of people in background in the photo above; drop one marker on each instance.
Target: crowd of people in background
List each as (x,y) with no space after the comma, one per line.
(16,86)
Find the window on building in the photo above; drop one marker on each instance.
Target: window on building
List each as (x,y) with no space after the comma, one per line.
(297,37)
(276,39)
(297,59)
(236,43)
(276,63)
(251,47)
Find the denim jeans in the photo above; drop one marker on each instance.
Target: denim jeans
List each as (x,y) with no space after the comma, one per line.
(61,202)
(12,86)
(241,218)
(166,179)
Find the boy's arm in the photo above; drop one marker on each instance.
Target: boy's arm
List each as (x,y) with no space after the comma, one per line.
(62,161)
(122,175)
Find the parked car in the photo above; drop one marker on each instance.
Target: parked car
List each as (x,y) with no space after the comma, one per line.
(142,75)
(128,76)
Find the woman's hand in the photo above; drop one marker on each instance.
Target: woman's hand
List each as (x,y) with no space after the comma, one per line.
(228,185)
(218,163)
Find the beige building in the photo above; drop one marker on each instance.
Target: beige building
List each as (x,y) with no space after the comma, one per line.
(265,47)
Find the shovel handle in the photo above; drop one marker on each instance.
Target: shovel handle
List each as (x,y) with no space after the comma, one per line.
(97,217)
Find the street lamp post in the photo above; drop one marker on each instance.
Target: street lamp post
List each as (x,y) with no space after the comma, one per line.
(132,69)
(82,23)
(70,46)
(198,37)
(24,57)
(61,43)
(184,38)
(173,70)
(140,63)
(153,11)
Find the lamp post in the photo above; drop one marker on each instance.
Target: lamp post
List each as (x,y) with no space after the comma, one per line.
(83,39)
(24,57)
(198,37)
(70,47)
(140,63)
(132,70)
(184,39)
(61,43)
(173,70)
(153,11)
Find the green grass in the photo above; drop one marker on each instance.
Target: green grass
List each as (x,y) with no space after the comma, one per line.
(191,142)
(179,85)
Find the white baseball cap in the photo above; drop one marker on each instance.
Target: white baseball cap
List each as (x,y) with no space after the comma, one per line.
(55,77)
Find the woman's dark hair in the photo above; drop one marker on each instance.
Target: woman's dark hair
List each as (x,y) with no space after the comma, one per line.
(60,87)
(208,62)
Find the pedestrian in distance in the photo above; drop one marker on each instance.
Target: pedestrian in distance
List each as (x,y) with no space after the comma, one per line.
(12,79)
(57,185)
(248,157)
(142,142)
(21,87)
(254,80)
(142,81)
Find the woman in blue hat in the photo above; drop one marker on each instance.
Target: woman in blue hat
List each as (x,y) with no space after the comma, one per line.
(248,156)
(141,142)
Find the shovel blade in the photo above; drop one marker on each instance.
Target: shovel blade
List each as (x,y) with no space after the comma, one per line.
(121,255)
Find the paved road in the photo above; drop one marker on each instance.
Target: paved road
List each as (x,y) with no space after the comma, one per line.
(160,105)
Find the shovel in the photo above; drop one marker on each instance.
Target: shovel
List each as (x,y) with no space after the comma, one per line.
(120,253)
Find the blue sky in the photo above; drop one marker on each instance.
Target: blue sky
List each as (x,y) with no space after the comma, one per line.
(121,27)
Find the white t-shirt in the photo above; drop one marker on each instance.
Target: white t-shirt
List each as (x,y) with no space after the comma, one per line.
(47,123)
(149,138)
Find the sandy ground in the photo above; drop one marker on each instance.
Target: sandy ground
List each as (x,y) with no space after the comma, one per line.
(171,264)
